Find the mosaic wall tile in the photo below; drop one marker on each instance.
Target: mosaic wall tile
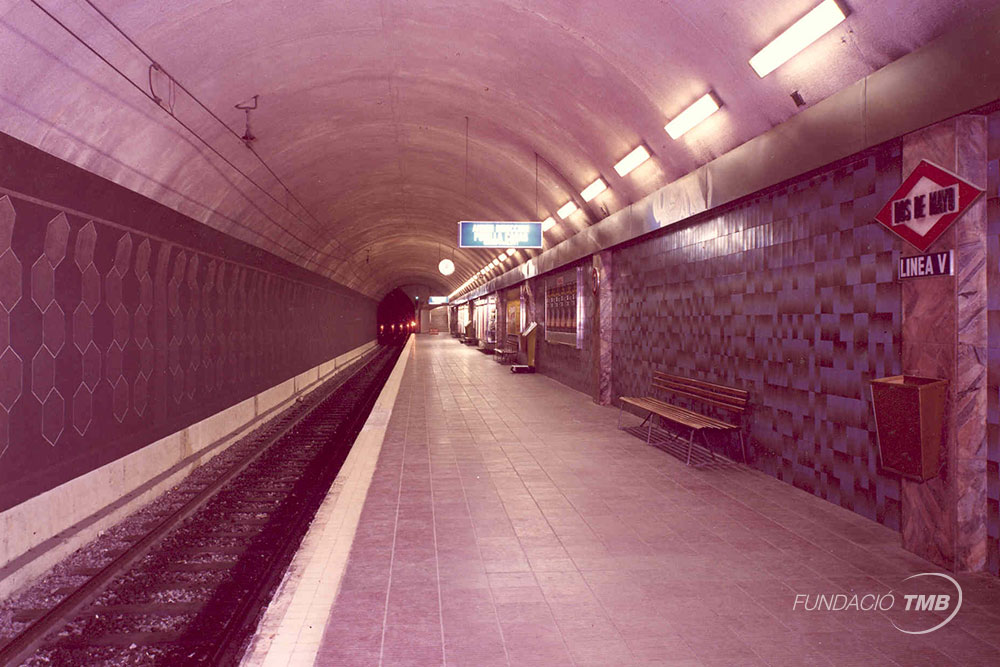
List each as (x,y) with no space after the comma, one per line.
(112,337)
(791,295)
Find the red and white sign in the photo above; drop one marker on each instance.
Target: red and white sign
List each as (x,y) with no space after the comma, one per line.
(928,201)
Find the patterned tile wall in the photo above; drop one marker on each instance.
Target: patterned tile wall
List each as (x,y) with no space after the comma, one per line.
(565,363)
(993,368)
(111,338)
(792,296)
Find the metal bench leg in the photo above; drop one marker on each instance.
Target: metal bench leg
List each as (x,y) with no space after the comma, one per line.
(690,446)
(649,432)
(743,447)
(708,445)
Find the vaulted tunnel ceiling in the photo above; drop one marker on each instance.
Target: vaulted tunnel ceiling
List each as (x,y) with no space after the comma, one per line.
(388,121)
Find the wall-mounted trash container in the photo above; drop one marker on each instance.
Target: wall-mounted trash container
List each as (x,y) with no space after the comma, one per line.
(909,419)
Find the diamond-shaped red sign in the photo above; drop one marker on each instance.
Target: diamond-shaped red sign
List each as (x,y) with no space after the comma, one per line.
(928,201)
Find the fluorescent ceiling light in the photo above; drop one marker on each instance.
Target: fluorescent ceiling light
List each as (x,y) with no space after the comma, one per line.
(548,223)
(694,114)
(510,252)
(502,257)
(594,189)
(801,34)
(632,160)
(567,209)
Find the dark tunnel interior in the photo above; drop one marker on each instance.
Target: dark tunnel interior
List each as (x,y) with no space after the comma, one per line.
(396,318)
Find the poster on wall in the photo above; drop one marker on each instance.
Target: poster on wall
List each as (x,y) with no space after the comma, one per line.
(514,315)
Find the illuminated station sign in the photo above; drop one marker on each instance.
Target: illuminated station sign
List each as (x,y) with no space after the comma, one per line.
(437,300)
(482,234)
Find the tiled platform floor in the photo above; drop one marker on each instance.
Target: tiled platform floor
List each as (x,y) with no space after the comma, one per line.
(510,523)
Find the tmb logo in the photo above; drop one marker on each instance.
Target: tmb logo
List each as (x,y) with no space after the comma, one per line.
(926,204)
(880,603)
(934,602)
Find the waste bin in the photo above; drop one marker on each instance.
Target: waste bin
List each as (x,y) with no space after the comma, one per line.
(909,420)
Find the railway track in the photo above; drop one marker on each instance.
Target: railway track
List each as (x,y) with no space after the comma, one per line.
(186,582)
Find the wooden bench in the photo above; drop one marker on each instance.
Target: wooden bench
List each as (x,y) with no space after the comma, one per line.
(731,400)
(508,352)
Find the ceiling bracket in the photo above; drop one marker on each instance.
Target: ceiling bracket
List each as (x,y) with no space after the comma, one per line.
(246,107)
(168,103)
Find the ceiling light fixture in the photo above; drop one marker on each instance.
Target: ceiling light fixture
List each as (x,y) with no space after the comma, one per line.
(548,223)
(694,114)
(594,189)
(567,209)
(821,20)
(632,160)
(446,267)
(502,257)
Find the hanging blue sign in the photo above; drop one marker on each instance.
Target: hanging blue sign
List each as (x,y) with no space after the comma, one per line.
(481,234)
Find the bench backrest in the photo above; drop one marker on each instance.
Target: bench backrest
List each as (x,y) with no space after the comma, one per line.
(717,395)
(512,341)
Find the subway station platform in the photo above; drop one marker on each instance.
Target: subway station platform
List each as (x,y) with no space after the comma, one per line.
(509,522)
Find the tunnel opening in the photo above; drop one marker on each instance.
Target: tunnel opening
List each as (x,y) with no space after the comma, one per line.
(395,318)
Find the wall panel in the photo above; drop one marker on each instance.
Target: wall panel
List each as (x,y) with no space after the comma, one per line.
(792,295)
(115,332)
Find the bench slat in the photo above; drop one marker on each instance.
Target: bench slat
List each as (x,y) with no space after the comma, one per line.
(689,417)
(721,401)
(681,415)
(701,384)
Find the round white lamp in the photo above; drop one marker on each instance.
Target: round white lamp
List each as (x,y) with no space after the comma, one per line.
(446,267)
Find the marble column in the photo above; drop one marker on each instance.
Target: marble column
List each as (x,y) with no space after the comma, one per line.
(944,335)
(601,329)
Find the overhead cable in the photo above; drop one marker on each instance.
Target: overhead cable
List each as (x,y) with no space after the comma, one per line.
(206,143)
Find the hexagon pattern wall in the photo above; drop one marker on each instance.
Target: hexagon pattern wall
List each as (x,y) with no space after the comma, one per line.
(111,338)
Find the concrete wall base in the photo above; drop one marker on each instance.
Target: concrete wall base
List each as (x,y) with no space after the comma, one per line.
(38,533)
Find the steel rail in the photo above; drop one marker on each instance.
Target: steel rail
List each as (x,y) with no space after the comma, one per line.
(29,640)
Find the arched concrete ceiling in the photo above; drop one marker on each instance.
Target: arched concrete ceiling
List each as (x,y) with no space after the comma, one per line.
(363,107)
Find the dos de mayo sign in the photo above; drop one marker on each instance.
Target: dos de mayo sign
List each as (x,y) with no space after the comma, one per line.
(925,205)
